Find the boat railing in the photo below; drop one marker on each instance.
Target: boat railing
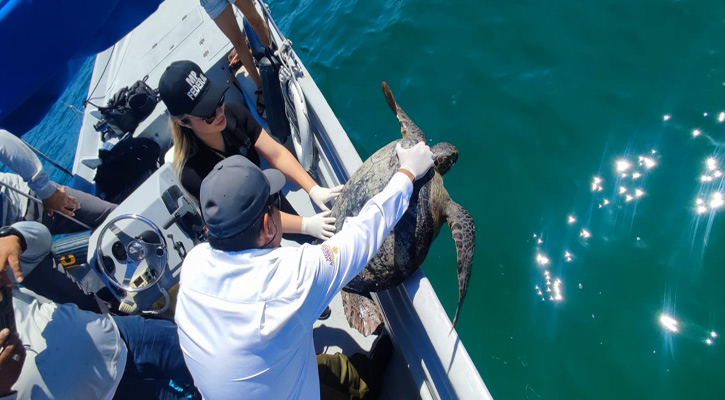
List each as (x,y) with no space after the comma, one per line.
(437,360)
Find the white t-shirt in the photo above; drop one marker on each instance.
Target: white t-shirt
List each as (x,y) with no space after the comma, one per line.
(245,318)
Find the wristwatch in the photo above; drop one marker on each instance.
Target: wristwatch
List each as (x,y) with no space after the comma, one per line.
(9,230)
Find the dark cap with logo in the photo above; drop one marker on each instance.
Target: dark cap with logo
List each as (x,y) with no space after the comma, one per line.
(185,89)
(235,194)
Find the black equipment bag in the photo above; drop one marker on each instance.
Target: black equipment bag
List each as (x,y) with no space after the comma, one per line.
(126,166)
(129,106)
(269,66)
(273,98)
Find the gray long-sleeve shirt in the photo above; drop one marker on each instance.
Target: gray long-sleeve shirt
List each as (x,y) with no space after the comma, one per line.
(29,178)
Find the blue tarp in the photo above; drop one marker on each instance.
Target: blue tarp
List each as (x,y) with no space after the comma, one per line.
(44,42)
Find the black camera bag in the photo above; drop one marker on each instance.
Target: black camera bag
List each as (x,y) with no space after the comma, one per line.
(129,106)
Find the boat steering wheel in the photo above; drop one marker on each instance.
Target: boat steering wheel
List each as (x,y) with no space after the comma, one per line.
(146,251)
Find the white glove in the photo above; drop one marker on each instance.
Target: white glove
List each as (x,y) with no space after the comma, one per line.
(417,159)
(321,195)
(321,226)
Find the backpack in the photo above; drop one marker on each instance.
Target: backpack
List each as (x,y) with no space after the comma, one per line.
(130,106)
(125,167)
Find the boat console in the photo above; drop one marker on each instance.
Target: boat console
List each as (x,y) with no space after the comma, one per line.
(137,252)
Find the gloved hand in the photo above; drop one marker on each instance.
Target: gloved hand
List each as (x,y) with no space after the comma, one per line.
(417,159)
(321,226)
(321,195)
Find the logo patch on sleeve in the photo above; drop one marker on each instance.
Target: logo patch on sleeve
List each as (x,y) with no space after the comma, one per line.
(329,253)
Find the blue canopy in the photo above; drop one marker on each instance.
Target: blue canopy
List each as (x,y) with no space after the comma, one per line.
(43,44)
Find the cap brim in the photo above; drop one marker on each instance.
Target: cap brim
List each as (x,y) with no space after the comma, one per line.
(210,100)
(275,178)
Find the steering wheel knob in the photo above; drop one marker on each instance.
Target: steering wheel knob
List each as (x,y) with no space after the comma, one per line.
(136,250)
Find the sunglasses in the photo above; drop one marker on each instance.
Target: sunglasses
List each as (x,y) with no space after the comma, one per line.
(274,200)
(212,117)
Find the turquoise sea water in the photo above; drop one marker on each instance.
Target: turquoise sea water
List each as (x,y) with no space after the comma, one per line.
(587,133)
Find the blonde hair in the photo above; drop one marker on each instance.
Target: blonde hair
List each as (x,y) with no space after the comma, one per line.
(185,144)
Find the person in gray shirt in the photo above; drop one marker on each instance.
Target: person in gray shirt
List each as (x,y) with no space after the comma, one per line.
(30,179)
(68,353)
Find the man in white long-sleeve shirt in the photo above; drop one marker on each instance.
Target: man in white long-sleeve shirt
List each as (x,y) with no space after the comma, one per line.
(246,306)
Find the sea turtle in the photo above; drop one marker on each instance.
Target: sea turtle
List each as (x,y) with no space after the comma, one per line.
(406,247)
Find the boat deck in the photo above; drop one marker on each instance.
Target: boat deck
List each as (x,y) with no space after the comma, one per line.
(429,361)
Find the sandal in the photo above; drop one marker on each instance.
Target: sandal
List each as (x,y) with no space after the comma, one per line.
(260,101)
(233,59)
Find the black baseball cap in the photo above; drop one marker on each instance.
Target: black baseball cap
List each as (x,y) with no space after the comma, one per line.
(235,194)
(185,89)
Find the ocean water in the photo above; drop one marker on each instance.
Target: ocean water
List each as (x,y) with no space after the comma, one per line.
(589,156)
(56,135)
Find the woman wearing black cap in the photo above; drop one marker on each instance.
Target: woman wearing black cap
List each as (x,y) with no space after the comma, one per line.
(206,130)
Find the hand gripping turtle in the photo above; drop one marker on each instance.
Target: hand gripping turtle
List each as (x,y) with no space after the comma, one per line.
(406,247)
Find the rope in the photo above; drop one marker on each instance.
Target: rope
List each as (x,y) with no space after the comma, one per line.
(41,202)
(87,100)
(46,158)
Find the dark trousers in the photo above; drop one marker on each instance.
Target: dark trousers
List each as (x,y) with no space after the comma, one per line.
(154,359)
(92,212)
(50,280)
(352,378)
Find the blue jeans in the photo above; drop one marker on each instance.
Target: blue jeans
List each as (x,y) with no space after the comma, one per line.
(154,359)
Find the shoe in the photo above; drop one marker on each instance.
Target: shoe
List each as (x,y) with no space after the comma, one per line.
(382,352)
(325,314)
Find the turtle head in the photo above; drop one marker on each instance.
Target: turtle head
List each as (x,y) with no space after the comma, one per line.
(444,156)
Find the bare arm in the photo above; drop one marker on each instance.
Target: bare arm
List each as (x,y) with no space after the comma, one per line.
(280,158)
(291,223)
(256,20)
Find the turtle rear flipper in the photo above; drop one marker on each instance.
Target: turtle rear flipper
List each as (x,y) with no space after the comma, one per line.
(408,128)
(361,312)
(464,234)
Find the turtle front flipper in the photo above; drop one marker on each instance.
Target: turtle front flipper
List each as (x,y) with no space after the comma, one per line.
(361,312)
(408,128)
(464,234)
